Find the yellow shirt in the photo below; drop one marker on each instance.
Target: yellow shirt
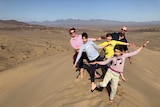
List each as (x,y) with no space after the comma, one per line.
(109,50)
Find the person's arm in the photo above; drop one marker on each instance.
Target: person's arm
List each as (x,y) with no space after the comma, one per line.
(137,51)
(101,37)
(102,62)
(122,76)
(124,43)
(100,46)
(78,57)
(103,45)
(92,39)
(95,39)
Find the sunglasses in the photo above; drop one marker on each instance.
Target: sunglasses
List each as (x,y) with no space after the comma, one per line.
(71,33)
(124,30)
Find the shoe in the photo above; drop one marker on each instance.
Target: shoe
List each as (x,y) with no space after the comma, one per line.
(100,89)
(92,90)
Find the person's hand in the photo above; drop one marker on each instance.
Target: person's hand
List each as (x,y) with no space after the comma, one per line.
(145,44)
(130,60)
(93,63)
(74,66)
(124,79)
(131,44)
(109,44)
(99,38)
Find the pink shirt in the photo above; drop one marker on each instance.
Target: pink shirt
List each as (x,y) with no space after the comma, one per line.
(76,42)
(118,62)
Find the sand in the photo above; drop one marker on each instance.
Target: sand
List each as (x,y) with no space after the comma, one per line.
(36,71)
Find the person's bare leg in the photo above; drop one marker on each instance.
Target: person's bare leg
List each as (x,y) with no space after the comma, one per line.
(93,86)
(82,72)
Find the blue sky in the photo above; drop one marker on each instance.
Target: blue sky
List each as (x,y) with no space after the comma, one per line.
(51,10)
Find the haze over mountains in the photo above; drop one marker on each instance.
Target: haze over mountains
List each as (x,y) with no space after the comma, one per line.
(76,23)
(93,22)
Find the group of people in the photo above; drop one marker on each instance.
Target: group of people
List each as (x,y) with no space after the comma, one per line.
(116,52)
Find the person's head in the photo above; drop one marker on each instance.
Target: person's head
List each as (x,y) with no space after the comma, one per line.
(72,32)
(84,37)
(109,36)
(124,29)
(118,50)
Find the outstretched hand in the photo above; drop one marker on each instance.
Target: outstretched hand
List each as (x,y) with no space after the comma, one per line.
(145,44)
(131,44)
(99,38)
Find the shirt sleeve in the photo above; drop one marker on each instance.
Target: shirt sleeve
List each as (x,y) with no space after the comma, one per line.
(92,39)
(95,45)
(105,61)
(132,53)
(102,44)
(79,53)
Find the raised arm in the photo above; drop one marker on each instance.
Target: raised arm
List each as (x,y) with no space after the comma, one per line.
(137,51)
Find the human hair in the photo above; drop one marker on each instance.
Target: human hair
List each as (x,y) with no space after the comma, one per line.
(119,47)
(108,35)
(84,35)
(72,29)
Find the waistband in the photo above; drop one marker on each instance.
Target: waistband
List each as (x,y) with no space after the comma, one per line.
(114,70)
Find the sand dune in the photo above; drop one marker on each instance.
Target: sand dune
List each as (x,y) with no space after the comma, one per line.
(32,84)
(40,72)
(51,81)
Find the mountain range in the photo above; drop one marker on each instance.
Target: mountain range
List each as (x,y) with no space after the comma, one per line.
(76,23)
(92,23)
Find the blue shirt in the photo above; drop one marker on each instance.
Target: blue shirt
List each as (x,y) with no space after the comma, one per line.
(90,49)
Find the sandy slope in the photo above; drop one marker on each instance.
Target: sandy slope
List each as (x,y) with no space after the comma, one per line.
(51,81)
(32,84)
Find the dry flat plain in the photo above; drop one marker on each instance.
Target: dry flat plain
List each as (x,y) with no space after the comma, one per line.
(36,69)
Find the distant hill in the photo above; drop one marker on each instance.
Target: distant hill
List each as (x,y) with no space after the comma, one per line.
(16,25)
(92,23)
(12,23)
